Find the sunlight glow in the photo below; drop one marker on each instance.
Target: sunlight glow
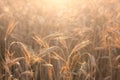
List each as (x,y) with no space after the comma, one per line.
(55,3)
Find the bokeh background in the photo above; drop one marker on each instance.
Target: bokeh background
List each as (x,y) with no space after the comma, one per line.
(75,20)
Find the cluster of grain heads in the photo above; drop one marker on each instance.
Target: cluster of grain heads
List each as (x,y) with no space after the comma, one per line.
(14,57)
(51,60)
(4,34)
(79,65)
(16,62)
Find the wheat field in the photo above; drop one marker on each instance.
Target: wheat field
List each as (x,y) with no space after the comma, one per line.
(59,40)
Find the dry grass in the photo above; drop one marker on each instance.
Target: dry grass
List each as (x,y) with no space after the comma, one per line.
(90,52)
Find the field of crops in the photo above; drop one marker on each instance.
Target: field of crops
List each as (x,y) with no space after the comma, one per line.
(59,40)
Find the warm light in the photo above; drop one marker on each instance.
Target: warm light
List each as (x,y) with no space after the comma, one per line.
(58,2)
(52,3)
(6,9)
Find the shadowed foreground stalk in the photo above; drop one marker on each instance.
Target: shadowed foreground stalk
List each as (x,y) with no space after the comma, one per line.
(2,54)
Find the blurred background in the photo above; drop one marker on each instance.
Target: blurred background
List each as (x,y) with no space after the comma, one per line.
(45,17)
